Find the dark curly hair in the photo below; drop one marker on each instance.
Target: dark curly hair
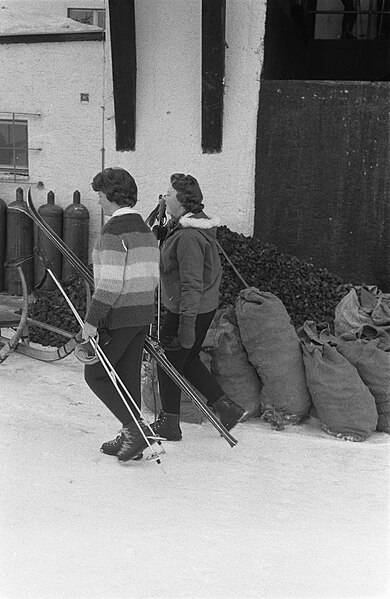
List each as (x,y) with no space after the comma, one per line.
(118,185)
(188,192)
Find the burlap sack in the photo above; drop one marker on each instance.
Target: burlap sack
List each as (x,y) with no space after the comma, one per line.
(344,404)
(368,349)
(274,350)
(365,305)
(231,367)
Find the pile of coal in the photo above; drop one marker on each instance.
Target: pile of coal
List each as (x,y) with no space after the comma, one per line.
(308,292)
(51,308)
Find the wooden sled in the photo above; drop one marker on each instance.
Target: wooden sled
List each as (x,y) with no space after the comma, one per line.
(19,341)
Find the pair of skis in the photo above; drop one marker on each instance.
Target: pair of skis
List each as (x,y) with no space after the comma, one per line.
(152,346)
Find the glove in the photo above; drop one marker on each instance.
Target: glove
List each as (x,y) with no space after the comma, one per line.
(170,343)
(88,331)
(186,332)
(160,232)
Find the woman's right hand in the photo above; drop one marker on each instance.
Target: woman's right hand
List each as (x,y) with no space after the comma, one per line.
(170,343)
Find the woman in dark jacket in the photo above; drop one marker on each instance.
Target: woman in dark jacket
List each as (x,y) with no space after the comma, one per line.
(190,272)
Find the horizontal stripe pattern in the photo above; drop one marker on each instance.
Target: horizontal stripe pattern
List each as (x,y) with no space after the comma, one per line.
(134,255)
(126,273)
(112,274)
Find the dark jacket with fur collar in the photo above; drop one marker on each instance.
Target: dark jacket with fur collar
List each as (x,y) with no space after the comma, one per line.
(190,266)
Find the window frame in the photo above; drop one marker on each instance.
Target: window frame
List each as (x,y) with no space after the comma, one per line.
(370,19)
(95,15)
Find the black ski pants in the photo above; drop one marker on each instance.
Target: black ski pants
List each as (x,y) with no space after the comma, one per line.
(188,363)
(124,350)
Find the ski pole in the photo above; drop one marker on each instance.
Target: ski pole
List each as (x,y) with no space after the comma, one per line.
(115,379)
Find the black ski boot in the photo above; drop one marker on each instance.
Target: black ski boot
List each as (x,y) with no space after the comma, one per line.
(228,412)
(133,442)
(167,426)
(112,447)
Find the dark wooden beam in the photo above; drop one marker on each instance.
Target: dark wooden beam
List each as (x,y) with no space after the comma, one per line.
(213,72)
(124,71)
(42,38)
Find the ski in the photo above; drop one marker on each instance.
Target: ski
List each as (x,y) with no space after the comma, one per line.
(152,346)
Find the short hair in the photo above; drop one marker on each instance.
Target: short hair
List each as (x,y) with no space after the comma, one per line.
(188,192)
(118,185)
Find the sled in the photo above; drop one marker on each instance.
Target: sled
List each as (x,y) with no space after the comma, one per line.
(19,341)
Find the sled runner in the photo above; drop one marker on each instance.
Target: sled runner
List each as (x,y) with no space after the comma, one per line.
(19,342)
(7,346)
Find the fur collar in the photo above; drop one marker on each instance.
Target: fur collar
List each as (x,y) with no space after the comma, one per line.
(190,220)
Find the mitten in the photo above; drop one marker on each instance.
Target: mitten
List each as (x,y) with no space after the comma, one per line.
(186,332)
(160,232)
(170,343)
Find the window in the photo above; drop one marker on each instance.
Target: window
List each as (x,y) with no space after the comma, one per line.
(13,148)
(89,16)
(349,19)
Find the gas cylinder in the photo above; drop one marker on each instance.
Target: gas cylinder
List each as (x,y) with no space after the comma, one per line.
(75,235)
(3,241)
(53,215)
(20,240)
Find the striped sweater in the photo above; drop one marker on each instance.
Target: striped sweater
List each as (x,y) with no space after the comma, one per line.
(126,272)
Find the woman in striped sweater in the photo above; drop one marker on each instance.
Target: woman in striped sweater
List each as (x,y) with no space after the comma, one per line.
(126,273)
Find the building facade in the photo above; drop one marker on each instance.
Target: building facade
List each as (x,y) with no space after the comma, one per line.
(57,80)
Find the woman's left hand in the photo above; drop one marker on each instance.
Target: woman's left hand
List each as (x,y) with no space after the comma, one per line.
(88,331)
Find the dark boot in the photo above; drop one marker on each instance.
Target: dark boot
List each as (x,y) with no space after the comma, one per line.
(112,447)
(133,442)
(228,412)
(167,426)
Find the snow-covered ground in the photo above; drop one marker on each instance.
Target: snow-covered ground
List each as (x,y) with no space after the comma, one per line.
(294,513)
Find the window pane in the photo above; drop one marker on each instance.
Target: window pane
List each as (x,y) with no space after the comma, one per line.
(102,19)
(82,16)
(5,134)
(6,152)
(21,159)
(20,135)
(89,17)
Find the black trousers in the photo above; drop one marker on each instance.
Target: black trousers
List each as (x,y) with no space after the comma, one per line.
(124,350)
(188,363)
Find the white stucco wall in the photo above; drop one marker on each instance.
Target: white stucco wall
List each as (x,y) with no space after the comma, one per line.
(48,79)
(168,37)
(168,138)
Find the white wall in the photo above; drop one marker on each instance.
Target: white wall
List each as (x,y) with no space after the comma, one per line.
(168,37)
(48,79)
